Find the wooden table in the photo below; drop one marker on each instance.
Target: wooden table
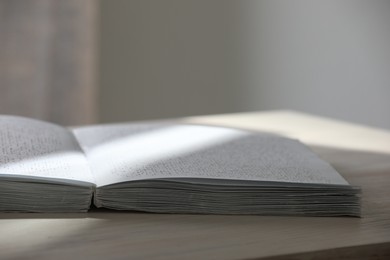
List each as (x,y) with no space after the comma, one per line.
(361,154)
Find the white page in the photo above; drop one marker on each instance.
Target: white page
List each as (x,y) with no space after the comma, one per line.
(39,150)
(127,152)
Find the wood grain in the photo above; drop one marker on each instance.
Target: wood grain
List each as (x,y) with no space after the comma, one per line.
(363,158)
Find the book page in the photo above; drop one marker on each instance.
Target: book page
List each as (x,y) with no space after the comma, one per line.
(35,149)
(128,152)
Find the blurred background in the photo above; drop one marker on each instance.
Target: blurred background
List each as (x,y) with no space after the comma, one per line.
(86,61)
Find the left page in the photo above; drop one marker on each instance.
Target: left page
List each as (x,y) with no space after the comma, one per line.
(33,149)
(42,168)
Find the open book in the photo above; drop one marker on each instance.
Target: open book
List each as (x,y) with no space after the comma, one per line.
(164,167)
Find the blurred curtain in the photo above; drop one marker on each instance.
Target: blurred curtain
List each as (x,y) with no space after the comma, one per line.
(47,60)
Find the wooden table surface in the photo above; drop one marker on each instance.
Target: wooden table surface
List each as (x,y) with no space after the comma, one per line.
(361,154)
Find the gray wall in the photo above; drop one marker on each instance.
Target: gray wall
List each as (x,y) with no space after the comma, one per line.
(47,60)
(179,57)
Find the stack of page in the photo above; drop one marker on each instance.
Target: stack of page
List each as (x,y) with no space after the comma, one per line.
(165,167)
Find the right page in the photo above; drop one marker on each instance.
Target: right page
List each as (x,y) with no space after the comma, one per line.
(128,152)
(179,168)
